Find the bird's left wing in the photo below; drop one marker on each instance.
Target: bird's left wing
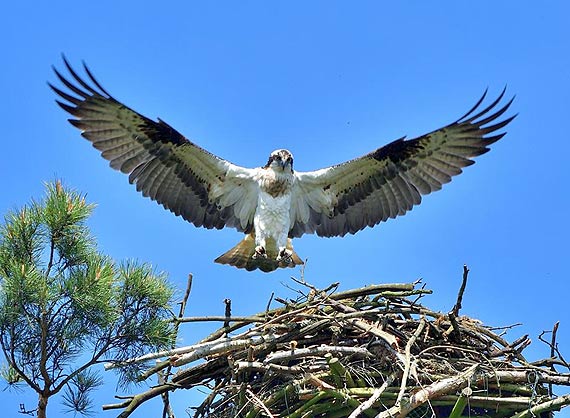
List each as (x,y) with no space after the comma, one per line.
(389,181)
(204,189)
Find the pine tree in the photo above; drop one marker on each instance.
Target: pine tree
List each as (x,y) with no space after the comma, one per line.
(65,307)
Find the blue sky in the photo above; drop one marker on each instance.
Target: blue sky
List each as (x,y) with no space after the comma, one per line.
(330,81)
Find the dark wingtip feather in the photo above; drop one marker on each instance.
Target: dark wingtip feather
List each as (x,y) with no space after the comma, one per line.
(492,116)
(72,110)
(492,139)
(78,90)
(76,123)
(488,108)
(64,95)
(469,117)
(475,106)
(480,121)
(79,79)
(497,126)
(70,85)
(94,80)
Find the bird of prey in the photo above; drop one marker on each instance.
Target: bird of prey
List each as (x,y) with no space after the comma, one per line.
(274,203)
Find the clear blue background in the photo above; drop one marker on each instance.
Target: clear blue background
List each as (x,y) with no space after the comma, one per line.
(329,81)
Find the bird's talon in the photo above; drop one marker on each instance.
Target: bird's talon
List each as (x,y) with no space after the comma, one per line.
(286,256)
(259,252)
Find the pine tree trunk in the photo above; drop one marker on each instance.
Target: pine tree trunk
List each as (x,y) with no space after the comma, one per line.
(42,405)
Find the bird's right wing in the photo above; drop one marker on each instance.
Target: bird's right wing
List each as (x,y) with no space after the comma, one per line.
(191,182)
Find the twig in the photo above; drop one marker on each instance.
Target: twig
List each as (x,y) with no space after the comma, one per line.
(387,337)
(220,333)
(137,400)
(554,352)
(549,362)
(457,305)
(521,376)
(432,391)
(228,314)
(408,360)
(264,367)
(486,332)
(454,313)
(316,351)
(340,374)
(373,398)
(287,391)
(210,398)
(167,409)
(259,403)
(553,341)
(214,318)
(269,303)
(374,289)
(504,327)
(551,405)
(219,347)
(516,347)
(161,354)
(316,382)
(186,296)
(163,377)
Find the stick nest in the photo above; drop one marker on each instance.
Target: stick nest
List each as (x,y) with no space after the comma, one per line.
(374,352)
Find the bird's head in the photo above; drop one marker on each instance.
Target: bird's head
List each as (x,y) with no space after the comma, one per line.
(280,160)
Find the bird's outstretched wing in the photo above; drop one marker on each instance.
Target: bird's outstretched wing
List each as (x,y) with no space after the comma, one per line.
(388,182)
(189,181)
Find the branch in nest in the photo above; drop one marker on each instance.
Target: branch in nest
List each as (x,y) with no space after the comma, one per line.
(454,313)
(436,389)
(163,375)
(161,354)
(259,403)
(516,347)
(408,361)
(552,405)
(265,367)
(321,350)
(219,347)
(137,400)
(214,318)
(373,398)
(388,338)
(521,376)
(227,314)
(316,382)
(457,306)
(554,352)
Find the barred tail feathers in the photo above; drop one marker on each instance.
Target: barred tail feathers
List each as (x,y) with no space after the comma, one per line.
(241,256)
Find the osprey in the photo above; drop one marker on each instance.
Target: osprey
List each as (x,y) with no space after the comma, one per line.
(274,203)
